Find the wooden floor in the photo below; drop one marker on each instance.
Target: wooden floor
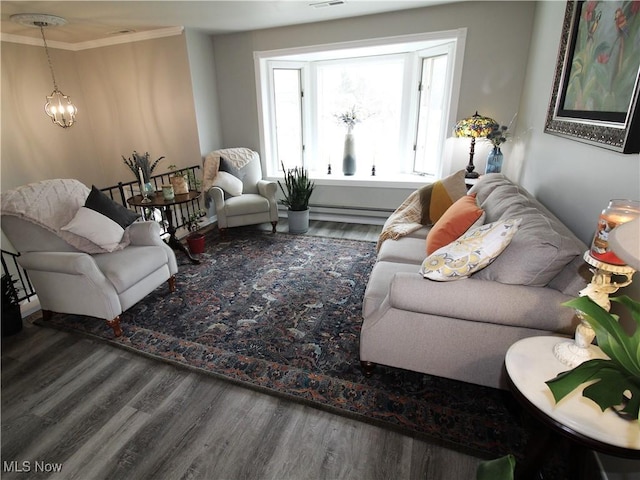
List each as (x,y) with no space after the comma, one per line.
(98,412)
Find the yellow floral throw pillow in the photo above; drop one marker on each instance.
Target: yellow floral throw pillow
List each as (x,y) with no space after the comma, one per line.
(470,253)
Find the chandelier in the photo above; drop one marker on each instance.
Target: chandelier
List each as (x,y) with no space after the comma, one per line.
(59,107)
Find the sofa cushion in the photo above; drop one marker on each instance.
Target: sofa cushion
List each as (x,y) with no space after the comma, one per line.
(463,214)
(437,197)
(404,250)
(542,239)
(470,253)
(380,282)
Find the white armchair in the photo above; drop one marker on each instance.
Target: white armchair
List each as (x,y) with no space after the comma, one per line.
(68,280)
(233,181)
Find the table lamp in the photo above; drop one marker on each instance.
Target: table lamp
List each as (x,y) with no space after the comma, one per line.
(615,252)
(473,127)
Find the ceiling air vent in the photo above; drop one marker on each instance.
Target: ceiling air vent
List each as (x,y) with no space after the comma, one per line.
(327,3)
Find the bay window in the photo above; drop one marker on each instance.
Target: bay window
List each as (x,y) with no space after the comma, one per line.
(403,92)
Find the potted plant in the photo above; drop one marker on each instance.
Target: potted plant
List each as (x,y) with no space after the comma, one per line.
(195,239)
(297,191)
(178,180)
(11,315)
(142,168)
(614,383)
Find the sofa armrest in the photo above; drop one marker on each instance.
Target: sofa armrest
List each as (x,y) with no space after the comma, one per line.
(267,189)
(217,195)
(483,301)
(145,233)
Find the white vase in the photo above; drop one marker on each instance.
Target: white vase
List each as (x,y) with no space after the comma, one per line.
(298,221)
(349,156)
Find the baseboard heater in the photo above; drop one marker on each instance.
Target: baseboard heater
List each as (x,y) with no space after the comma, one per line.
(344,213)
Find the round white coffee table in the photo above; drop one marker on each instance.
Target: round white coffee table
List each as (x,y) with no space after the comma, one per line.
(529,364)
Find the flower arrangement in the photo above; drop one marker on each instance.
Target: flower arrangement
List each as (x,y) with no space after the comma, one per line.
(141,162)
(350,118)
(498,134)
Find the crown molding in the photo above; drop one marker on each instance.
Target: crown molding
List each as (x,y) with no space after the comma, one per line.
(103,42)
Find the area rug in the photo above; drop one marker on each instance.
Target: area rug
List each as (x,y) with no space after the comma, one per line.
(282,313)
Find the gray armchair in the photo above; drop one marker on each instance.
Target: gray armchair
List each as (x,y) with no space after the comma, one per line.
(94,282)
(233,181)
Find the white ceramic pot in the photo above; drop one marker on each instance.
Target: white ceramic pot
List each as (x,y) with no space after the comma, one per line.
(298,221)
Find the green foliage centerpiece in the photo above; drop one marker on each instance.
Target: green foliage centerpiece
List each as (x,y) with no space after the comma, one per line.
(613,383)
(297,190)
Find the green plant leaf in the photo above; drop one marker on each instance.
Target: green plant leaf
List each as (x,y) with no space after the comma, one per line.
(567,382)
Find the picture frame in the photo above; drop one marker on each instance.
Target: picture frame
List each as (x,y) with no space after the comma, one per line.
(594,98)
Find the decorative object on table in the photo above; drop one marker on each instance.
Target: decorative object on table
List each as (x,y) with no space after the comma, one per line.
(619,376)
(617,212)
(617,379)
(59,107)
(195,239)
(606,265)
(167,192)
(350,119)
(179,180)
(595,88)
(497,136)
(142,168)
(296,197)
(11,319)
(473,127)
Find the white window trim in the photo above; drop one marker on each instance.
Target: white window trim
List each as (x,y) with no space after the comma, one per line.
(388,45)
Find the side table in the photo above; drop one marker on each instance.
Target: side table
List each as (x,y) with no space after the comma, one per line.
(529,364)
(159,201)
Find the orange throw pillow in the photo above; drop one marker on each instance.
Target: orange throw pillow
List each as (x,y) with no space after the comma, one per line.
(453,223)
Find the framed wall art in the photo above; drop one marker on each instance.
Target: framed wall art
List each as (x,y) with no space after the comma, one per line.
(595,88)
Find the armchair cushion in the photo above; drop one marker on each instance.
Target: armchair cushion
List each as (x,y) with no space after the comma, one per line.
(102,204)
(97,228)
(102,221)
(227,182)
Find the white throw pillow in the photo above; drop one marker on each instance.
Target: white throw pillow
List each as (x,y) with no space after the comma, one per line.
(228,183)
(98,228)
(473,251)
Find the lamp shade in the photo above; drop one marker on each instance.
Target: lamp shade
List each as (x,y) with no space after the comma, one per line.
(474,126)
(624,241)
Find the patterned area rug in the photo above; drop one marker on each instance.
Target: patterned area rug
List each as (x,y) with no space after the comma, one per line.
(282,313)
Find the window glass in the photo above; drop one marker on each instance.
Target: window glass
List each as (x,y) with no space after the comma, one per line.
(370,90)
(431,115)
(288,116)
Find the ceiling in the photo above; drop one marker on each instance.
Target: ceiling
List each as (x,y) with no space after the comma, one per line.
(89,21)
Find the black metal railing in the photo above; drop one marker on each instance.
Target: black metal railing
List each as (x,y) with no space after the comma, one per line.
(10,266)
(180,213)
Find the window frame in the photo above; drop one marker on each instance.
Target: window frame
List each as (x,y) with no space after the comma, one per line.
(305,56)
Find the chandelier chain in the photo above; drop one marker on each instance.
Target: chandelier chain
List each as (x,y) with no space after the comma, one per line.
(46,49)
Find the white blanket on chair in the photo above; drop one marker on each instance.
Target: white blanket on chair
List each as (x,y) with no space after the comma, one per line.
(238,157)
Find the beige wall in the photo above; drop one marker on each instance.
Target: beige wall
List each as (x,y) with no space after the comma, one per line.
(135,96)
(497,46)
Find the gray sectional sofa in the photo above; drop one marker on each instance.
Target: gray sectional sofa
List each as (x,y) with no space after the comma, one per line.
(462,329)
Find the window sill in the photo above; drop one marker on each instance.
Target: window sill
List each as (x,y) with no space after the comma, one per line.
(397,180)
